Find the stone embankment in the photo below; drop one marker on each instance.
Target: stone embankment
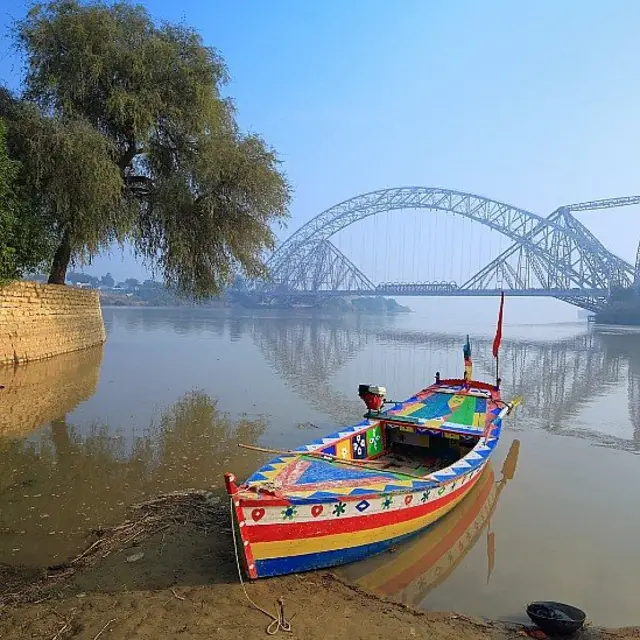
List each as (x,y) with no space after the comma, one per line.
(43,320)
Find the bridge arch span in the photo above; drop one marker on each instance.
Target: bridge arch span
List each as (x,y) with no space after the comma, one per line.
(513,222)
(561,251)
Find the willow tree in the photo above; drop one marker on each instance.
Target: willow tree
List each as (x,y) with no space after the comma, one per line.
(23,241)
(8,205)
(126,136)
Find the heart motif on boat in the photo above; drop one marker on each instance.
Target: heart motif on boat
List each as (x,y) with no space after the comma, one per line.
(257,514)
(408,499)
(316,510)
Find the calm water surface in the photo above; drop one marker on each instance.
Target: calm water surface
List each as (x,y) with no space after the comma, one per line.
(165,403)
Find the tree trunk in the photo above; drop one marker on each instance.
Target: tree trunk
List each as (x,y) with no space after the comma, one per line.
(61,260)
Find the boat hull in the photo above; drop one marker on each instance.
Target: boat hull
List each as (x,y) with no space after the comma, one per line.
(301,512)
(291,538)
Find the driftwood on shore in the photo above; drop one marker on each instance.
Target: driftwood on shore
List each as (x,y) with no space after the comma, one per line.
(191,508)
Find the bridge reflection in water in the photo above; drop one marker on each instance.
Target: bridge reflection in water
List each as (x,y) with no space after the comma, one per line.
(84,468)
(557,377)
(314,356)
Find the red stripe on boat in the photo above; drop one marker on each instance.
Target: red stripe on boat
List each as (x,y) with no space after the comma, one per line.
(317,528)
(267,501)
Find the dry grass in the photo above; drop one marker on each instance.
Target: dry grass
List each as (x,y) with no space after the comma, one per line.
(185,509)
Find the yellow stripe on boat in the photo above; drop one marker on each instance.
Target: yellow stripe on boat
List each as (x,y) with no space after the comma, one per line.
(284,548)
(479,419)
(456,401)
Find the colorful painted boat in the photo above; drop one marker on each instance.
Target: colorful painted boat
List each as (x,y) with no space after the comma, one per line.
(429,558)
(367,487)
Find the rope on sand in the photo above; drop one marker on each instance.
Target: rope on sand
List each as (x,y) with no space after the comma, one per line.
(278,622)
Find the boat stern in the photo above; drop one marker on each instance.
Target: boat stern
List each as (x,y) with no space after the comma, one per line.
(241,543)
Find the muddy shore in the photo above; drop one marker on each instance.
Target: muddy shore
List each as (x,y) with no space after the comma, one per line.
(170,572)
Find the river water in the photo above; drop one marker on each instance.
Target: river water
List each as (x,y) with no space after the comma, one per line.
(164,404)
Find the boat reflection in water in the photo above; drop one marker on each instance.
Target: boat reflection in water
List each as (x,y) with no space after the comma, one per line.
(417,567)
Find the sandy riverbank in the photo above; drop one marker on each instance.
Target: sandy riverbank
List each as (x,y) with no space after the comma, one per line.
(170,572)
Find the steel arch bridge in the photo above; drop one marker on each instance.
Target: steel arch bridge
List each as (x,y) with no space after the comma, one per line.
(556,256)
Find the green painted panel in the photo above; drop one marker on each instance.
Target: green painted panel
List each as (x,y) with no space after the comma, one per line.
(464,413)
(374,441)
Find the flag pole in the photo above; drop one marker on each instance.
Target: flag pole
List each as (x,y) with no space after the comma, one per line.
(497,340)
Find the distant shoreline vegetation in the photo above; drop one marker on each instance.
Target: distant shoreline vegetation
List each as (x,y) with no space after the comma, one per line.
(149,293)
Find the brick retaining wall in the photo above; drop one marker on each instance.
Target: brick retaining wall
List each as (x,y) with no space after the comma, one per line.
(43,320)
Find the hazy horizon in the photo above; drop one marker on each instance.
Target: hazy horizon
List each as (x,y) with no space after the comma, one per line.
(526,104)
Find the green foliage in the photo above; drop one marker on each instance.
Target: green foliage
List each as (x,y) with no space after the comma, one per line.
(8,206)
(107,280)
(68,169)
(124,135)
(23,246)
(82,278)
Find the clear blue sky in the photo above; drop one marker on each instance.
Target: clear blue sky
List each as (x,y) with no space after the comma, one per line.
(536,104)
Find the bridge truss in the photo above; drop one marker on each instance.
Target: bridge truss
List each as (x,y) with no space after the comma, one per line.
(554,256)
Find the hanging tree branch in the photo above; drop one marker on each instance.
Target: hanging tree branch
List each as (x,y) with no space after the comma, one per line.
(122,131)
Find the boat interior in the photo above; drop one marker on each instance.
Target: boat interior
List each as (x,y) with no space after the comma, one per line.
(420,455)
(434,430)
(398,446)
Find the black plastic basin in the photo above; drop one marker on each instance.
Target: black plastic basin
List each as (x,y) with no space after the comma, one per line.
(556,618)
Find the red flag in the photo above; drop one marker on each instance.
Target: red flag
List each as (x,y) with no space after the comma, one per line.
(498,338)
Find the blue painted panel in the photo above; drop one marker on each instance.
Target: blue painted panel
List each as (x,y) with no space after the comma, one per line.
(361,492)
(393,487)
(311,561)
(359,446)
(318,495)
(331,450)
(435,406)
(320,471)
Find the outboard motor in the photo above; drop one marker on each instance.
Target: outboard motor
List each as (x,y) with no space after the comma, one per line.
(372,396)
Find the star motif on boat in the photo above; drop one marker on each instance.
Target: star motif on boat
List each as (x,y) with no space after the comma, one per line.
(339,509)
(387,502)
(425,495)
(288,513)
